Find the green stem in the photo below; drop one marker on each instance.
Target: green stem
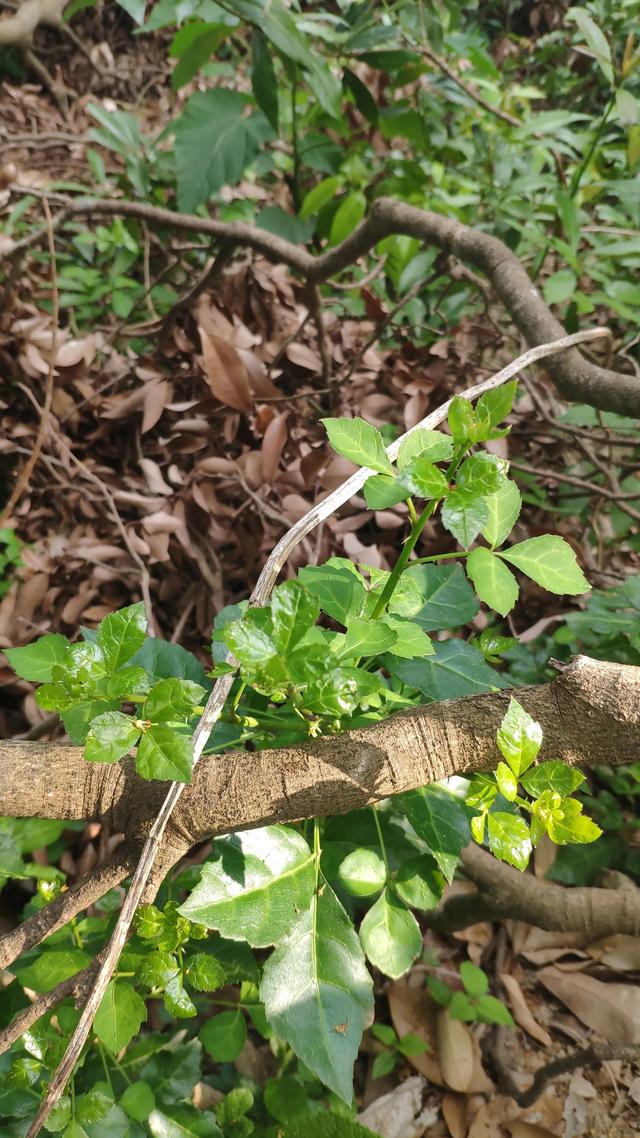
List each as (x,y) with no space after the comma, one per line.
(383,848)
(403,559)
(295,181)
(441,557)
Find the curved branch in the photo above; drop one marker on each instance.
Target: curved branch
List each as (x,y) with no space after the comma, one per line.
(575,377)
(76,986)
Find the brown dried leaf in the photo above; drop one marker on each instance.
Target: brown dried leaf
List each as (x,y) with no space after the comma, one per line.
(226,373)
(454,1112)
(455,1051)
(618,951)
(613,1010)
(521,1011)
(273,442)
(521,1129)
(156,396)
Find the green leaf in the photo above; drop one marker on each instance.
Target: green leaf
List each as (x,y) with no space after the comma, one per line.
(263,78)
(285,1098)
(447,599)
(119,1016)
(172,699)
(476,982)
(382,491)
(294,610)
(383,1064)
(441,821)
(161,659)
(249,644)
(60,1116)
(362,96)
(424,479)
(93,1106)
(462,420)
(194,45)
(503,507)
(481,474)
(205,973)
(360,442)
(560,286)
(320,196)
(550,562)
(455,669)
(419,882)
(35,661)
(509,839)
(366,638)
(464,516)
(138,1100)
(573,826)
(121,634)
(318,994)
(183,1122)
(111,736)
(50,967)
(434,446)
(519,738)
(491,1010)
(553,775)
(341,592)
(410,640)
(257,886)
(494,583)
(494,406)
(215,142)
(224,1036)
(164,754)
(348,215)
(507,782)
(11,863)
(321,1124)
(78,718)
(362,873)
(596,40)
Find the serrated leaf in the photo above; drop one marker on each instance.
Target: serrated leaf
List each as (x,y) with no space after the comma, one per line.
(390,936)
(224,1036)
(172,699)
(164,754)
(138,1100)
(494,406)
(410,640)
(257,886)
(318,994)
(50,967)
(35,661)
(446,599)
(111,736)
(249,644)
(121,634)
(434,446)
(423,479)
(481,474)
(519,738)
(382,491)
(550,562)
(341,593)
(509,839)
(552,775)
(205,973)
(507,782)
(366,638)
(494,583)
(464,516)
(462,419)
(215,142)
(441,821)
(573,826)
(119,1016)
(294,610)
(360,442)
(79,717)
(455,669)
(503,509)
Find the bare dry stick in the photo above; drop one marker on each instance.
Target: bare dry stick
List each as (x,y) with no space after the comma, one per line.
(260,595)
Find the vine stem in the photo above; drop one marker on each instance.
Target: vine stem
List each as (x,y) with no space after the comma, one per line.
(260,595)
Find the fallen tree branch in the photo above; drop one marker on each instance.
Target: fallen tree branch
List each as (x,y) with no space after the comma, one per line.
(75,986)
(574,377)
(592,1056)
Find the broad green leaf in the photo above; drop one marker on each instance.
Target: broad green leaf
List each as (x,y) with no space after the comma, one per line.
(382,491)
(348,215)
(410,640)
(164,754)
(320,196)
(321,1124)
(50,967)
(35,661)
(446,597)
(494,583)
(161,659)
(464,515)
(441,821)
(263,78)
(341,593)
(285,1098)
(60,1116)
(507,782)
(462,419)
(550,562)
(509,839)
(419,882)
(490,1010)
(560,286)
(93,1106)
(11,863)
(434,446)
(138,1100)
(596,40)
(249,644)
(172,699)
(215,142)
(362,96)
(362,872)
(360,442)
(476,982)
(423,479)
(503,507)
(455,669)
(318,994)
(205,973)
(494,406)
(553,775)
(75,1130)
(573,826)
(119,1016)
(519,738)
(78,718)
(342,691)
(111,736)
(294,610)
(224,1036)
(121,634)
(391,936)
(182,1122)
(366,638)
(193,46)
(481,474)
(257,886)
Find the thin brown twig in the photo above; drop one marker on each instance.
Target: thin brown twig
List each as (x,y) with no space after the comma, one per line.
(28,468)
(75,986)
(447,70)
(582,484)
(315,308)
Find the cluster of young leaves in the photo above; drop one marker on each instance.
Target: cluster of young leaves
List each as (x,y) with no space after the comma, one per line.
(472,1004)
(116,666)
(549,785)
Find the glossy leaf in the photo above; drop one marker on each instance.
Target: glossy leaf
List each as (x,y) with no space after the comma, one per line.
(340,592)
(164,754)
(224,1036)
(256,887)
(550,562)
(410,640)
(494,583)
(35,661)
(455,669)
(362,873)
(111,736)
(481,474)
(173,699)
(419,882)
(367,638)
(446,600)
(121,634)
(294,610)
(519,738)
(423,479)
(434,446)
(462,419)
(509,839)
(464,515)
(552,775)
(391,936)
(441,821)
(382,491)
(503,509)
(317,992)
(119,1016)
(360,442)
